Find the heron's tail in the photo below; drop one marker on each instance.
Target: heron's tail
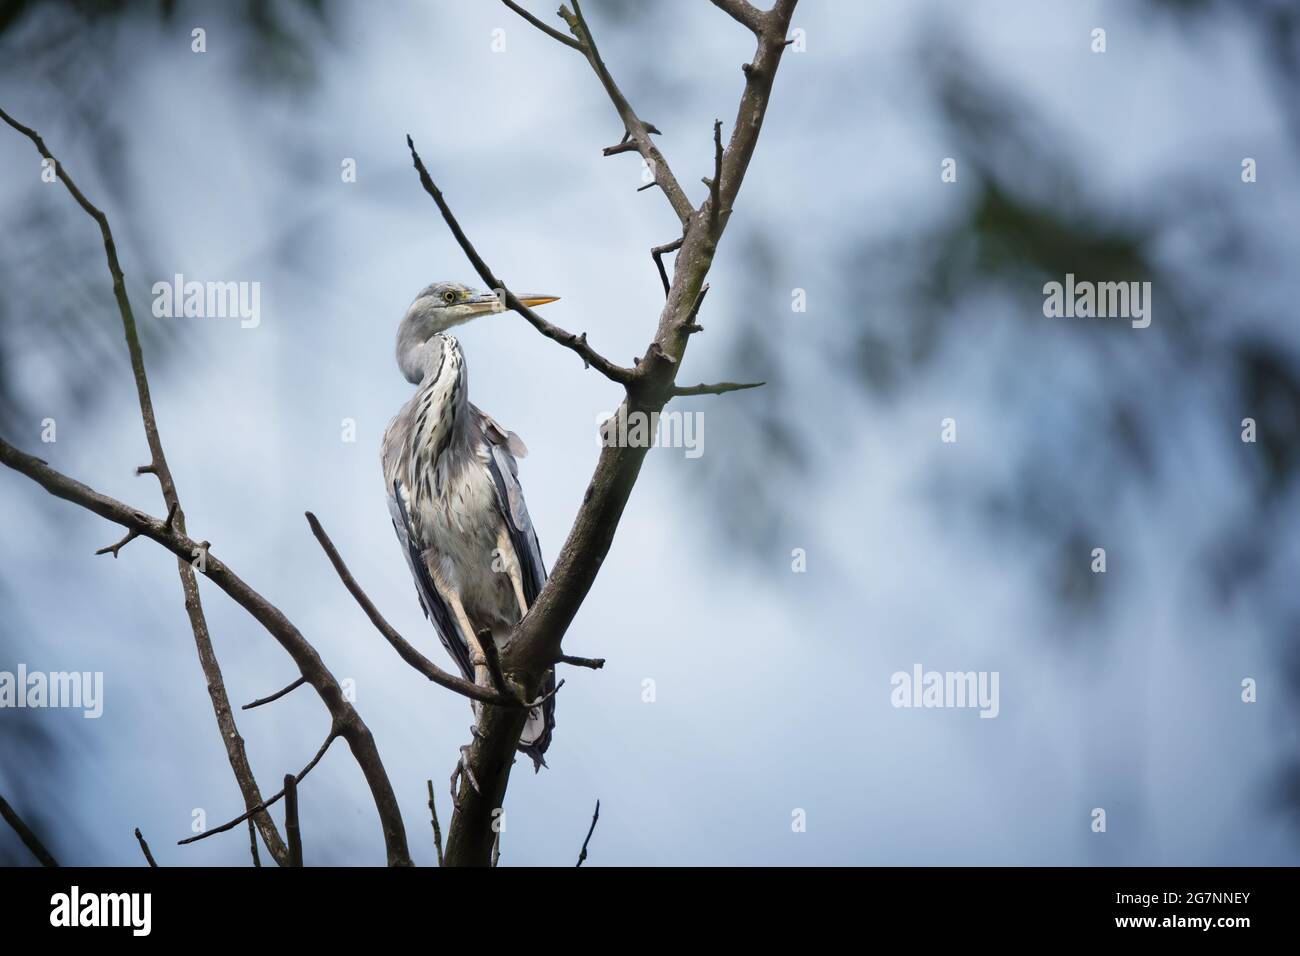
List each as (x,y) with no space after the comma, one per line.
(541,724)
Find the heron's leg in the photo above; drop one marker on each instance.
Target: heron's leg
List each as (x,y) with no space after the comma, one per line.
(506,549)
(452,596)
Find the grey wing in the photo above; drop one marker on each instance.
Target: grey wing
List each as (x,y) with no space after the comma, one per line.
(435,608)
(503,447)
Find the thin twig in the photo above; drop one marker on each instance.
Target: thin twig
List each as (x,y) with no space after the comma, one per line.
(114,548)
(590,830)
(549,31)
(347,723)
(233,742)
(25,834)
(277,695)
(637,129)
(269,802)
(292,834)
(403,647)
(595,663)
(689,325)
(437,831)
(145,847)
(716,389)
(658,252)
(496,850)
(578,344)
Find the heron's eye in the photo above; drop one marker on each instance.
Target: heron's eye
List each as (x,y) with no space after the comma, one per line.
(449,297)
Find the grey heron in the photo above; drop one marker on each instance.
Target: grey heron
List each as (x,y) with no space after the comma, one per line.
(455,499)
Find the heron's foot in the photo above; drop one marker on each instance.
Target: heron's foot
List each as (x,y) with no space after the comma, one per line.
(462,770)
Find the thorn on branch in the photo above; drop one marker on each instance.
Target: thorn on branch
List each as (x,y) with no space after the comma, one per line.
(149,469)
(595,663)
(276,696)
(590,830)
(145,847)
(649,185)
(718,389)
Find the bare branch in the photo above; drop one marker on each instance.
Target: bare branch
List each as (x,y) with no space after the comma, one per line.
(403,647)
(496,850)
(590,356)
(30,840)
(437,831)
(637,129)
(293,835)
(743,12)
(347,722)
(595,663)
(718,389)
(535,642)
(269,801)
(232,741)
(145,847)
(590,830)
(277,695)
(549,31)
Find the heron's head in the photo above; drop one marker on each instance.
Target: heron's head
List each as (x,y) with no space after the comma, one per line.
(440,307)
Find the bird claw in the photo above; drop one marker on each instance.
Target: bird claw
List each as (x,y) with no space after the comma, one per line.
(462,770)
